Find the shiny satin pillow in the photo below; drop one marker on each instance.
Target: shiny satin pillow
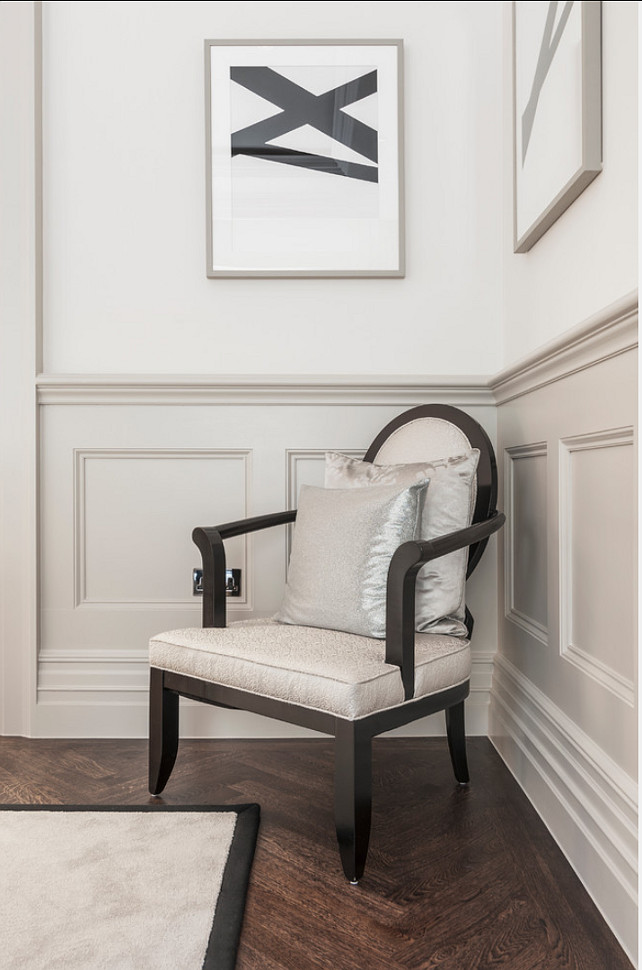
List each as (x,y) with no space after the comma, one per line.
(343,542)
(439,594)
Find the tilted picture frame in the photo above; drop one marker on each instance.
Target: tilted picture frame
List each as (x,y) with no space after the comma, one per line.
(304,160)
(557,111)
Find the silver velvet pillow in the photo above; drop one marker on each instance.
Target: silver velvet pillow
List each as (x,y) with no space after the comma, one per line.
(343,542)
(449,505)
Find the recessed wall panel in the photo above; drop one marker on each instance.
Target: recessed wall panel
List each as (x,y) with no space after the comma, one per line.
(526,539)
(598,556)
(135,510)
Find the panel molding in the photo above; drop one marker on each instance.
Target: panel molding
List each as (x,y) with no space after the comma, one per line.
(82,456)
(252,389)
(528,624)
(608,333)
(623,687)
(586,800)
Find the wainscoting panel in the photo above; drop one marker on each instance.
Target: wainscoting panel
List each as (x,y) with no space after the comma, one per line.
(141,500)
(563,711)
(126,474)
(525,539)
(598,557)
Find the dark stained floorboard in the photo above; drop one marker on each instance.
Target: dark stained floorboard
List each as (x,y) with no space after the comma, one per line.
(457,878)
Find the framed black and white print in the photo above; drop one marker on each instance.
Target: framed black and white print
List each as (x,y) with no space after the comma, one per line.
(304,158)
(557,100)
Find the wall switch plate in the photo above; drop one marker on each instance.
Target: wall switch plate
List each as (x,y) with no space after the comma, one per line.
(232,582)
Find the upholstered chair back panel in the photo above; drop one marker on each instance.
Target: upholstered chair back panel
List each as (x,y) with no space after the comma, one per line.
(424,439)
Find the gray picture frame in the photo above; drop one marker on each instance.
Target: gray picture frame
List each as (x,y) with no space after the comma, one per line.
(277,51)
(589,137)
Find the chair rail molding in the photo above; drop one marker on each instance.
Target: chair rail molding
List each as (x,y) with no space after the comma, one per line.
(257,389)
(611,331)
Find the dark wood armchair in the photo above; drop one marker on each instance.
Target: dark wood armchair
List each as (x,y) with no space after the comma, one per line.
(220,665)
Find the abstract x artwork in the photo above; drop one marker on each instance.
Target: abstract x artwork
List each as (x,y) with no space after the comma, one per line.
(557,85)
(304,157)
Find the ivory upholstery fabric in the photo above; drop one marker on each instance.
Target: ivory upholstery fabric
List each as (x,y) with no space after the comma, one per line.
(424,439)
(344,540)
(449,506)
(326,670)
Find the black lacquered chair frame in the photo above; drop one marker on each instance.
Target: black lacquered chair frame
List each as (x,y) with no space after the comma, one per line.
(353,738)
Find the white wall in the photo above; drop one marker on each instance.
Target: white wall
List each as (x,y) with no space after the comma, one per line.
(19,325)
(125,285)
(124,293)
(588,258)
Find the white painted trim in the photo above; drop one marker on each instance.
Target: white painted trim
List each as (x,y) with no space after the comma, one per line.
(125,714)
(623,687)
(77,665)
(586,800)
(257,389)
(606,334)
(529,624)
(20,320)
(85,693)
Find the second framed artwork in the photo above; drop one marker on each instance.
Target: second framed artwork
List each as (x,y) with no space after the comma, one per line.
(304,161)
(557,105)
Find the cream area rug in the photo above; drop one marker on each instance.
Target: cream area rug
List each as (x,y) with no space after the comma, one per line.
(103,888)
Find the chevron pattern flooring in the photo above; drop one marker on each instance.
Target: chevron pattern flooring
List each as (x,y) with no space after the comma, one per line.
(457,878)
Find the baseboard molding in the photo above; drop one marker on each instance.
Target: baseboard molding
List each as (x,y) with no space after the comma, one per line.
(93,715)
(588,803)
(85,697)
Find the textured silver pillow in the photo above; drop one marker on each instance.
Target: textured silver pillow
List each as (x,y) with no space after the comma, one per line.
(449,505)
(343,542)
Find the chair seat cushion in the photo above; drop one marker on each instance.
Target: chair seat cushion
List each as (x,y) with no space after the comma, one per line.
(325,670)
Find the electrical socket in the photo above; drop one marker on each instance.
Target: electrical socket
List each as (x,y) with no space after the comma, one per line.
(232,582)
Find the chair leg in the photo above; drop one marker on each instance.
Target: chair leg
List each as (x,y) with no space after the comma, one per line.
(163,731)
(352,796)
(456,730)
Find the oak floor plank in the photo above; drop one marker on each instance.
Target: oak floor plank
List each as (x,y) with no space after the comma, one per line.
(457,878)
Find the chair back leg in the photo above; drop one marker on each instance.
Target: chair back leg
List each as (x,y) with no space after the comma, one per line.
(163,731)
(456,730)
(352,795)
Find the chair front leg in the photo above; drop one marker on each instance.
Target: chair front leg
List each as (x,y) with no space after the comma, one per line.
(352,795)
(163,731)
(456,730)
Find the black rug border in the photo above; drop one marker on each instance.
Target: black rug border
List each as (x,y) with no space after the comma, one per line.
(227,922)
(225,934)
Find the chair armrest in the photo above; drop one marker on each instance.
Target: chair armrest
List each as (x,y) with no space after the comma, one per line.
(400,595)
(209,540)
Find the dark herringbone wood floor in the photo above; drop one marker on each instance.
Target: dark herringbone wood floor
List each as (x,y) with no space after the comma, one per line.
(457,879)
